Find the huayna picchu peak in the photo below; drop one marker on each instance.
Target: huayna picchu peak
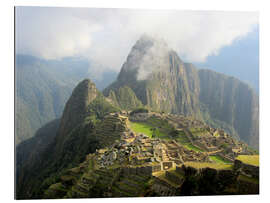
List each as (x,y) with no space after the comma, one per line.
(163,82)
(163,128)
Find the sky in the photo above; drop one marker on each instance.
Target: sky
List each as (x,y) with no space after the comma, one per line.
(106,36)
(240,59)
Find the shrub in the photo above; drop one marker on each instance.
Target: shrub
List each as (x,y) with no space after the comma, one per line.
(139,110)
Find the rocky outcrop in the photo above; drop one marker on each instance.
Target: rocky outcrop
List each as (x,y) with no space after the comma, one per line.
(163,82)
(247,169)
(76,107)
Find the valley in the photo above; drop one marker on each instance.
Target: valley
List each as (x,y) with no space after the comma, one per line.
(171,131)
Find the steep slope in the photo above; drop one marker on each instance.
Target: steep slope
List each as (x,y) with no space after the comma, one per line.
(83,129)
(231,101)
(43,87)
(125,98)
(159,78)
(29,150)
(163,82)
(169,164)
(39,97)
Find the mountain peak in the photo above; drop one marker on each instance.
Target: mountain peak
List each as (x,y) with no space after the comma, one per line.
(147,41)
(149,54)
(76,107)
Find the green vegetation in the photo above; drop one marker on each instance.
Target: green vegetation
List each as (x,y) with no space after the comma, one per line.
(99,107)
(218,166)
(153,126)
(206,95)
(145,129)
(192,147)
(198,131)
(139,110)
(86,127)
(248,179)
(255,151)
(249,159)
(182,138)
(125,98)
(43,88)
(218,159)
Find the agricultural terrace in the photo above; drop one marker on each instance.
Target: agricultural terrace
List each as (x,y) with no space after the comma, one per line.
(198,131)
(249,159)
(217,166)
(190,146)
(153,128)
(219,159)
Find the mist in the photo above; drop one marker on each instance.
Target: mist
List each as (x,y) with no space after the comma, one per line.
(106,36)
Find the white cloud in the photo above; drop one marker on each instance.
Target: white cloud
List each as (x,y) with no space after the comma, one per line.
(107,35)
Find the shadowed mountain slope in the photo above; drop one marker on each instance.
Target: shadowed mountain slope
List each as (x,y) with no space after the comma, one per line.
(163,82)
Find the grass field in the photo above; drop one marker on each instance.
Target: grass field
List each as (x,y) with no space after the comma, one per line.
(218,166)
(161,128)
(249,159)
(219,159)
(198,131)
(192,147)
(141,128)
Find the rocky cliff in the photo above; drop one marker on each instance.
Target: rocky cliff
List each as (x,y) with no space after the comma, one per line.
(163,82)
(83,129)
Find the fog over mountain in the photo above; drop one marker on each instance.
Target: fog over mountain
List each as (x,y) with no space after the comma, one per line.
(165,83)
(105,98)
(194,35)
(43,87)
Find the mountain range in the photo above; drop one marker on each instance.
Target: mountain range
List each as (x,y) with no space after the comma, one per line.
(163,82)
(153,78)
(44,86)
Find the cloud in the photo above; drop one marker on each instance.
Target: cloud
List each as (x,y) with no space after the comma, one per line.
(106,36)
(155,59)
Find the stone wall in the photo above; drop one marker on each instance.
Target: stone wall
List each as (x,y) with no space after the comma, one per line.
(174,178)
(143,170)
(226,158)
(246,168)
(200,145)
(179,170)
(167,165)
(156,168)
(162,188)
(244,187)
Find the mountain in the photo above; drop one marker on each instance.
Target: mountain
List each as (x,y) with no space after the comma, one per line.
(230,61)
(164,83)
(161,115)
(82,129)
(43,87)
(125,98)
(67,154)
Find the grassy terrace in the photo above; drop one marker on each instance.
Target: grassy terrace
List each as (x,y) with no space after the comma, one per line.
(218,166)
(249,159)
(182,138)
(198,131)
(192,147)
(161,128)
(161,175)
(141,128)
(219,159)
